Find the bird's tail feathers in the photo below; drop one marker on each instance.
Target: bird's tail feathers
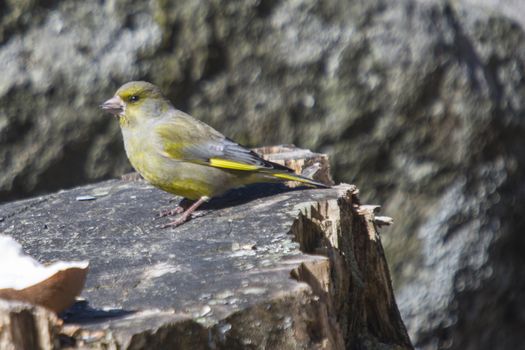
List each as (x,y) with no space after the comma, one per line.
(299,178)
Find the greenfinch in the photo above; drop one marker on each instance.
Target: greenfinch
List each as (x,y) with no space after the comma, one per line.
(182,155)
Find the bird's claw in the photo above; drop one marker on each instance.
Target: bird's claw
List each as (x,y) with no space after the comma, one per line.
(131,177)
(171,212)
(188,213)
(177,222)
(184,218)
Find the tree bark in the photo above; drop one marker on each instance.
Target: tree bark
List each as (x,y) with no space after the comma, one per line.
(264,267)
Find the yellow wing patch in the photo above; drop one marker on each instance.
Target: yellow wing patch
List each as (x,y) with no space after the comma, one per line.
(229,164)
(291,177)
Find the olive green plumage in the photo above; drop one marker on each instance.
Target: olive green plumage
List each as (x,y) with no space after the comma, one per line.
(182,155)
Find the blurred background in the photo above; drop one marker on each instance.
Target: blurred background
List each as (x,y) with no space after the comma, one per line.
(420,103)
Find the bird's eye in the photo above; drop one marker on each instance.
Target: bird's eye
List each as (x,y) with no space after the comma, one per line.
(134,98)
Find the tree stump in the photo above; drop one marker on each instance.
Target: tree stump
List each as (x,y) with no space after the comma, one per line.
(25,326)
(264,267)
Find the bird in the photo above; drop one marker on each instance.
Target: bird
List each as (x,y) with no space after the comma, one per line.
(182,155)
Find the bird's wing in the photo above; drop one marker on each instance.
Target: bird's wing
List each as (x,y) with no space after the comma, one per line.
(184,138)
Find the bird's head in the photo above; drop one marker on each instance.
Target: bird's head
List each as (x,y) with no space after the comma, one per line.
(137,102)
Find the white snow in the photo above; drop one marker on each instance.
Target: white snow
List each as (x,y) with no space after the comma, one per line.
(19,271)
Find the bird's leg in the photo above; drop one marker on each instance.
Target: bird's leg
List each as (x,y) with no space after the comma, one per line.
(187,213)
(180,208)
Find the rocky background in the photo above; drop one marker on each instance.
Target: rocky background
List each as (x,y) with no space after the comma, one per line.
(419,103)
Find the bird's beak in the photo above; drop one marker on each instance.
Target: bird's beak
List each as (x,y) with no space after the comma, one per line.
(114,105)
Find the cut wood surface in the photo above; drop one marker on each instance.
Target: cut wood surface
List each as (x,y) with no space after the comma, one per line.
(264,267)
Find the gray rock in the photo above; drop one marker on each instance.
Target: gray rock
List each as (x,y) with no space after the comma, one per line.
(420,103)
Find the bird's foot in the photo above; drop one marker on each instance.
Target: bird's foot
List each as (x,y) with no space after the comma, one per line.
(131,177)
(177,222)
(187,214)
(184,218)
(172,211)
